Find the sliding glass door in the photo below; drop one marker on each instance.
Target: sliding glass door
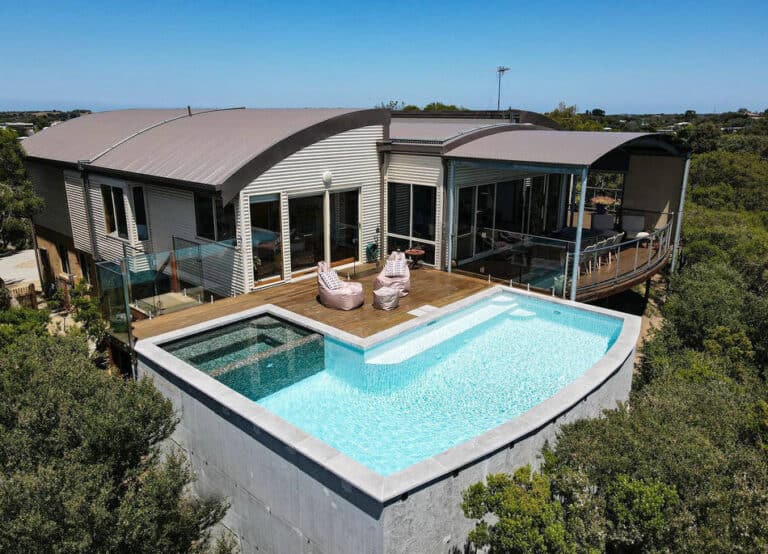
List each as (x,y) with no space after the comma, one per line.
(411,218)
(266,238)
(345,226)
(307,231)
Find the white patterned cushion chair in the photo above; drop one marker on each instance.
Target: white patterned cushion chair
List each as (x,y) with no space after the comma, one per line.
(335,293)
(395,274)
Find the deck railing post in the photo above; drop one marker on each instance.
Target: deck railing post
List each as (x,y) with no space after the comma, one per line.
(679,221)
(579,228)
(451,179)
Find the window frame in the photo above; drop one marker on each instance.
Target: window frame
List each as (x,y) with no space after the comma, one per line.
(218,209)
(410,237)
(140,207)
(112,213)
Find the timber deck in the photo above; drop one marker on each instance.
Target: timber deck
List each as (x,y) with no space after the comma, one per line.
(428,286)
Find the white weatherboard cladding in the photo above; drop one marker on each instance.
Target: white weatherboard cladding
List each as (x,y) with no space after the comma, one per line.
(415,170)
(109,246)
(412,169)
(78,215)
(47,182)
(171,213)
(353,160)
(466,175)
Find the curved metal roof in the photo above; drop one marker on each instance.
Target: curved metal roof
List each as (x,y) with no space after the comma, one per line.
(573,148)
(221,149)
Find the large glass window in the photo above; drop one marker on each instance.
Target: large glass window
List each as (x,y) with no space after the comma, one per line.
(266,238)
(424,212)
(307,237)
(214,221)
(344,226)
(140,213)
(509,206)
(114,211)
(411,218)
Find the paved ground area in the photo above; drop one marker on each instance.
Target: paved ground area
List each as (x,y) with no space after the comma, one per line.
(19,269)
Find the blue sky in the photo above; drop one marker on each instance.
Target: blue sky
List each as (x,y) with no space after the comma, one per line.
(623,56)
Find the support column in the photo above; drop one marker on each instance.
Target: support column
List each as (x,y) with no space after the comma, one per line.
(561,215)
(579,227)
(450,192)
(679,222)
(327,226)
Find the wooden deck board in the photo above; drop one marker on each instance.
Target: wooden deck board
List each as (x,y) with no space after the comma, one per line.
(428,286)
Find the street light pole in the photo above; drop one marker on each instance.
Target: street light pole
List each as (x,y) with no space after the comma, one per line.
(501,70)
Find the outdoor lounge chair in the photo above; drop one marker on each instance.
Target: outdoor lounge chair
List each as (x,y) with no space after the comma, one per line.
(395,274)
(335,293)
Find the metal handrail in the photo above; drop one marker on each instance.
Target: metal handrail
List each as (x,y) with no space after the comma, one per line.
(661,236)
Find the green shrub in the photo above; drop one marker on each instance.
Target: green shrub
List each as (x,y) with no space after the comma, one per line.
(80,462)
(705,296)
(529,520)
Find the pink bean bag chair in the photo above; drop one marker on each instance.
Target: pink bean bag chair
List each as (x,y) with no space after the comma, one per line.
(395,274)
(335,293)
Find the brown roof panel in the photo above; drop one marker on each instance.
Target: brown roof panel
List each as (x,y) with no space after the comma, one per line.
(439,130)
(224,149)
(577,148)
(84,137)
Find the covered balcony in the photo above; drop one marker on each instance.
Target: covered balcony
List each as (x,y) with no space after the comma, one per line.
(579,215)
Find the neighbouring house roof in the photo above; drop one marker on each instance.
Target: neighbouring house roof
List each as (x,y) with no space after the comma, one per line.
(219,149)
(562,148)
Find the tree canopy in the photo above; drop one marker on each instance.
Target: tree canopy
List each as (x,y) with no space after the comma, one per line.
(569,118)
(81,464)
(18,201)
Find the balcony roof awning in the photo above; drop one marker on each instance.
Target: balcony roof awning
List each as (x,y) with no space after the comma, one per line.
(560,148)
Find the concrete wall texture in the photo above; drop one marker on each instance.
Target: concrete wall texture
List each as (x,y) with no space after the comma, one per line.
(281,504)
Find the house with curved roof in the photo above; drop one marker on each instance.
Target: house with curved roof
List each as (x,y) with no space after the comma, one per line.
(193,205)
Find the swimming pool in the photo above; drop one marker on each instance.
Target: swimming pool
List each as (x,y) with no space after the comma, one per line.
(414,395)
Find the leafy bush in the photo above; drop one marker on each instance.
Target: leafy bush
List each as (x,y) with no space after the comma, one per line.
(529,520)
(705,296)
(729,180)
(81,469)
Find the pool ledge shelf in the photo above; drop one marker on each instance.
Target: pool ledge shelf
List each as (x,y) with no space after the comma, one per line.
(288,489)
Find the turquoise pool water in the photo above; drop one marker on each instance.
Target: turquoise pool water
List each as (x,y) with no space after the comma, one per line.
(432,388)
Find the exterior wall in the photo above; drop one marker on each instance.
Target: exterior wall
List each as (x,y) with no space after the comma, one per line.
(48,240)
(48,182)
(78,216)
(653,184)
(412,169)
(276,505)
(110,246)
(352,158)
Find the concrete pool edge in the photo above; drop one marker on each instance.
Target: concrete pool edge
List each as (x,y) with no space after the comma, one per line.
(383,490)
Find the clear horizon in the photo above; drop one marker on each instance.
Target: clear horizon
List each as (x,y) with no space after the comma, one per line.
(644,59)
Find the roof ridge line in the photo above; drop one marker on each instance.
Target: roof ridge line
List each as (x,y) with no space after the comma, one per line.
(150,127)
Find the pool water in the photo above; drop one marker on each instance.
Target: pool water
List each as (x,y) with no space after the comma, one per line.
(432,388)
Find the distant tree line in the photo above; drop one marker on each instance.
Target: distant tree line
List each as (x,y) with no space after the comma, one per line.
(41,119)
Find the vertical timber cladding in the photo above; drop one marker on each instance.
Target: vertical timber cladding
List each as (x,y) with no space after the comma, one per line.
(353,160)
(412,169)
(653,184)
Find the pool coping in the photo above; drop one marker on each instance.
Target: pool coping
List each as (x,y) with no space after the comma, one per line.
(386,489)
